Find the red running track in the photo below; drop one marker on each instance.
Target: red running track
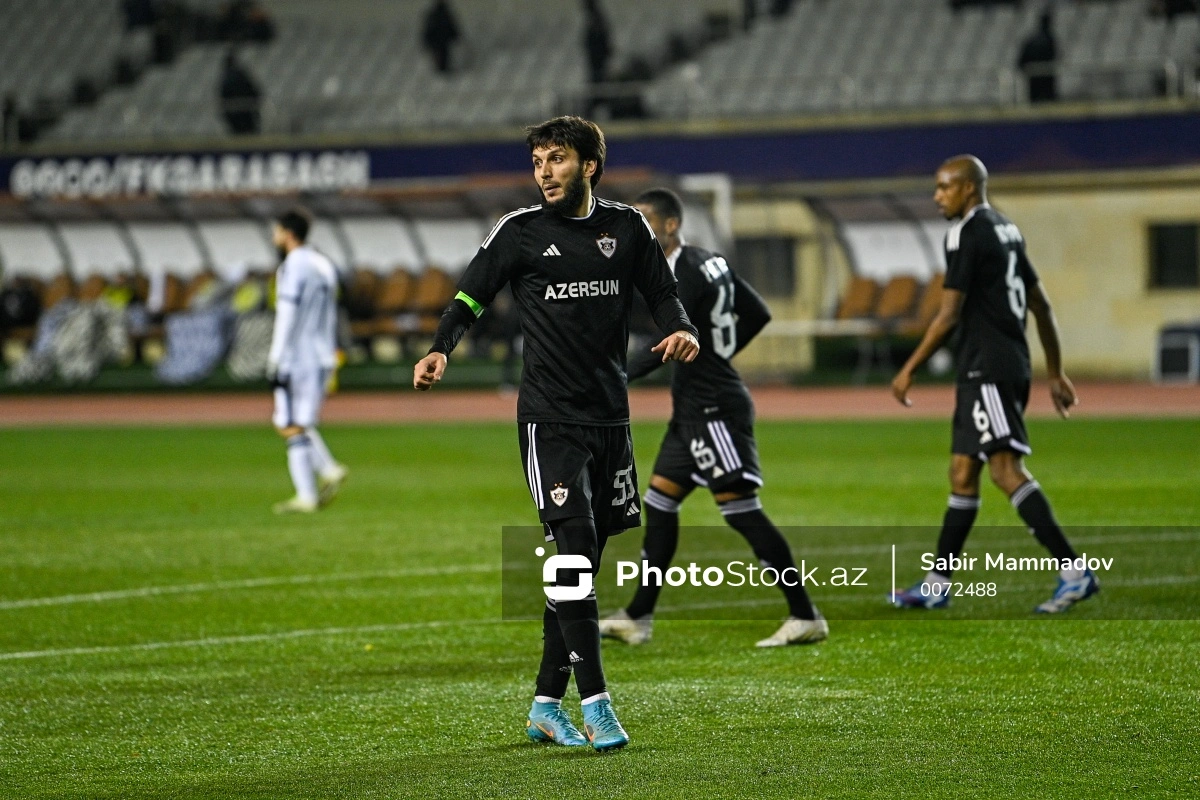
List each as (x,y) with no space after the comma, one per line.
(407,406)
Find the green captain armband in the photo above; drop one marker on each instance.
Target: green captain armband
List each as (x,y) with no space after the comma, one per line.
(476,309)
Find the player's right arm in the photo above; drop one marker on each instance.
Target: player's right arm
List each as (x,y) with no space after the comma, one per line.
(1062,392)
(288,285)
(960,263)
(947,317)
(487,273)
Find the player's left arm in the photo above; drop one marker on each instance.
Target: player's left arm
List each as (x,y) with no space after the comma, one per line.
(487,273)
(656,283)
(947,317)
(1062,392)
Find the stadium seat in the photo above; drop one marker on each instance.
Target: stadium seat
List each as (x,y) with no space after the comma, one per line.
(926,310)
(858,302)
(896,300)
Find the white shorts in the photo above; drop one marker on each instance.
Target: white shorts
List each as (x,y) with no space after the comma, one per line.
(299,403)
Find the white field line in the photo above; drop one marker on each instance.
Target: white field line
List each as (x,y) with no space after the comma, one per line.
(254,638)
(349,577)
(248,583)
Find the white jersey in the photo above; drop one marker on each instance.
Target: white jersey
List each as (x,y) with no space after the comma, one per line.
(305,312)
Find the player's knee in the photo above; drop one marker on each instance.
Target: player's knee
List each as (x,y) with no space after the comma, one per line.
(741,489)
(964,477)
(1007,471)
(576,536)
(668,487)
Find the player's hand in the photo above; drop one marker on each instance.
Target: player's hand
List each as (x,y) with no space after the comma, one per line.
(274,377)
(900,386)
(1062,392)
(428,371)
(679,346)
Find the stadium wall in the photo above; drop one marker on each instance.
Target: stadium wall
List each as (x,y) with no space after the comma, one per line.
(1091,247)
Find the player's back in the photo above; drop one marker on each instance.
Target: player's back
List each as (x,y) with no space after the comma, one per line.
(308,280)
(985,256)
(709,386)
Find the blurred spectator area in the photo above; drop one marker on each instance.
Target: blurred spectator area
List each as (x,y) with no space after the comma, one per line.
(862,54)
(364,70)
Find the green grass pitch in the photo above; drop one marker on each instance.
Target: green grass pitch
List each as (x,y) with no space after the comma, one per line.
(162,635)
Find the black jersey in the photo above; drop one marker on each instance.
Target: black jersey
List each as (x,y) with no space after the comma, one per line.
(729,314)
(572,280)
(985,258)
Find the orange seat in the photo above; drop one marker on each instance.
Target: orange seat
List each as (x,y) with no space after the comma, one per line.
(59,289)
(435,289)
(394,293)
(859,300)
(897,298)
(927,308)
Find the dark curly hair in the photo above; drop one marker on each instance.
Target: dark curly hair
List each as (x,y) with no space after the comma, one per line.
(581,135)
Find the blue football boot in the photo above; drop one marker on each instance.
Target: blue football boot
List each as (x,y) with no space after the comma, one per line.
(921,595)
(1069,593)
(603,730)
(549,723)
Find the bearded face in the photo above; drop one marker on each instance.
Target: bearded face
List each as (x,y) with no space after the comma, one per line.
(567,201)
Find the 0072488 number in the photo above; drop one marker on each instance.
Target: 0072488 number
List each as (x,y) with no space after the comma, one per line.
(958,589)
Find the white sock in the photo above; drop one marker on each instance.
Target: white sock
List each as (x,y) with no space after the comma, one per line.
(322,459)
(1071,574)
(300,465)
(936,577)
(541,698)
(594,698)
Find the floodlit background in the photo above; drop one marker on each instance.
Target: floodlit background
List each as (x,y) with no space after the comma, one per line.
(149,142)
(163,634)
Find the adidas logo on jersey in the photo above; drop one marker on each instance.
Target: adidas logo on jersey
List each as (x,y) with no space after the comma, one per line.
(552,250)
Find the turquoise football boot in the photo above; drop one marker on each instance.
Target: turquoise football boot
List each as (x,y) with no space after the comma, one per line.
(549,723)
(603,730)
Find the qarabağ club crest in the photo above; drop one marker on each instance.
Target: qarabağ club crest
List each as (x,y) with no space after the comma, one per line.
(607,245)
(558,494)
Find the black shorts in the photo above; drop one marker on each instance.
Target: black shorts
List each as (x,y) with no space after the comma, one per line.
(582,471)
(989,417)
(720,455)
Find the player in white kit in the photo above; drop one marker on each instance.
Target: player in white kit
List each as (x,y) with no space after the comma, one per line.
(301,360)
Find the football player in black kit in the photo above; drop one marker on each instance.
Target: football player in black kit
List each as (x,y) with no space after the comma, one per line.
(710,439)
(989,285)
(573,263)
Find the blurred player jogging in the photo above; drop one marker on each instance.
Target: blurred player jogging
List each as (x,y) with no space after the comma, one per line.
(301,360)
